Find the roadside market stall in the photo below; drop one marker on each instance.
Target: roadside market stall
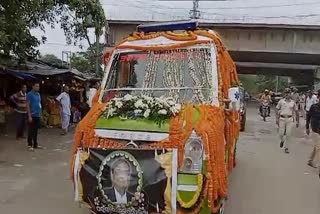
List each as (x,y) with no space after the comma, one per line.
(52,80)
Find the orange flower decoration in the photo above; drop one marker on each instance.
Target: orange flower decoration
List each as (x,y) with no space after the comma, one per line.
(214,126)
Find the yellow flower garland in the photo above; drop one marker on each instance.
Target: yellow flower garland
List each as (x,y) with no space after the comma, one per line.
(196,196)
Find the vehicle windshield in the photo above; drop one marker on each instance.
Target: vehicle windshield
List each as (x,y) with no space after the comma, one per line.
(184,74)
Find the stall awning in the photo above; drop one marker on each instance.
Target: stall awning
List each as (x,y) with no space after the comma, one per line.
(20,75)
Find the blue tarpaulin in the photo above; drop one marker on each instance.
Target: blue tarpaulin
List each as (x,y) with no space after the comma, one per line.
(20,75)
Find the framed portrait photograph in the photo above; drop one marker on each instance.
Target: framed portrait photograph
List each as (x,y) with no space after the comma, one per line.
(128,181)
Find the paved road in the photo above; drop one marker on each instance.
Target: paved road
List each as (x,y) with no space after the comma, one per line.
(265,181)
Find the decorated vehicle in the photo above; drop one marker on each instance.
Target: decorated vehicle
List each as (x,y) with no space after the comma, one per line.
(161,134)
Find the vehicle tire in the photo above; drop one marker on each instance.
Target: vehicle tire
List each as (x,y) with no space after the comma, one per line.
(242,127)
(243,124)
(264,114)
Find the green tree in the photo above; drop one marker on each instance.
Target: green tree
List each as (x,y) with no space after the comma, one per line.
(249,83)
(52,60)
(78,17)
(86,61)
(255,84)
(79,62)
(17,17)
(270,82)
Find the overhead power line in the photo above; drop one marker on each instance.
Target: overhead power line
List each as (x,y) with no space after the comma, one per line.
(159,6)
(266,6)
(195,12)
(268,17)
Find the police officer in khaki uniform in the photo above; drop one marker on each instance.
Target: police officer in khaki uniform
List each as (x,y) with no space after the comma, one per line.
(286,116)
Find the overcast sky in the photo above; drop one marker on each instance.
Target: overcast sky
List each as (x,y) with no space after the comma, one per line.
(233,11)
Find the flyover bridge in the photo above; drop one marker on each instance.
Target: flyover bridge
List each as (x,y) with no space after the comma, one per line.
(277,37)
(273,49)
(260,49)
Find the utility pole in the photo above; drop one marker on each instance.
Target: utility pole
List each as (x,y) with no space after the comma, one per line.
(66,57)
(195,12)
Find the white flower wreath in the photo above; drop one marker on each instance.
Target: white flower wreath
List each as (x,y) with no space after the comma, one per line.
(157,109)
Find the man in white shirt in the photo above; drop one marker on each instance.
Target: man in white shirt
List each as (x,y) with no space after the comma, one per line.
(91,93)
(310,100)
(286,113)
(120,178)
(65,109)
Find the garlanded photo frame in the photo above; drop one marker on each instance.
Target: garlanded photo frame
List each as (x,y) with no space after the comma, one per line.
(144,172)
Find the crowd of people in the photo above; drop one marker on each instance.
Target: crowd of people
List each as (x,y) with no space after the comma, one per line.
(29,110)
(289,110)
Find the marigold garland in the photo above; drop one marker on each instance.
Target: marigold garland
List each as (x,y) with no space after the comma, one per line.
(95,98)
(180,130)
(232,133)
(187,36)
(164,48)
(209,128)
(211,124)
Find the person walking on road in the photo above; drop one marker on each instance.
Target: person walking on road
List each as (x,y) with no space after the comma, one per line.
(302,105)
(20,99)
(310,100)
(34,114)
(92,92)
(286,113)
(295,97)
(313,118)
(65,109)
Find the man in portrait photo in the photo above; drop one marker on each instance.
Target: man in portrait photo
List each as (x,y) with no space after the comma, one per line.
(120,173)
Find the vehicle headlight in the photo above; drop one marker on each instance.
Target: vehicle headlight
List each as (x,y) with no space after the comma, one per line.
(193,156)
